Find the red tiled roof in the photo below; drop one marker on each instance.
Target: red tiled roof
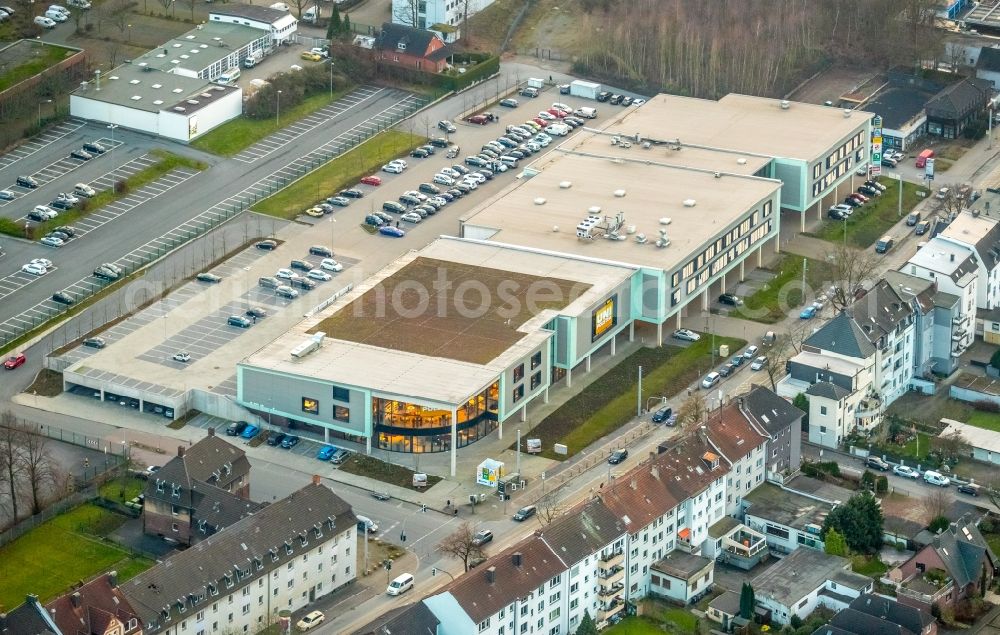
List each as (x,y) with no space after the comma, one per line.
(98,604)
(730,431)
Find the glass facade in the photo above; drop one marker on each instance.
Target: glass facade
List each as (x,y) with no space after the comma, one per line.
(407,427)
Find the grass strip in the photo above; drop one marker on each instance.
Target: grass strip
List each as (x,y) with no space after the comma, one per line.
(771,302)
(871,221)
(339,173)
(234,136)
(610,401)
(382,471)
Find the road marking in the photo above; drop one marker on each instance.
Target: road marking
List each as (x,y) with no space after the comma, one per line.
(41,141)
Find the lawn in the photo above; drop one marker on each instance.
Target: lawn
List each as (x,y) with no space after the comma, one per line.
(993,540)
(918,448)
(51,557)
(112,490)
(167,162)
(871,567)
(343,171)
(681,620)
(382,471)
(771,303)
(232,137)
(48,55)
(871,221)
(610,402)
(987,420)
(635,626)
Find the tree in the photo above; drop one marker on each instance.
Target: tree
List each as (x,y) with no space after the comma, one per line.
(549,506)
(955,200)
(38,467)
(693,409)
(868,480)
(951,446)
(345,27)
(860,521)
(461,545)
(587,626)
(10,459)
(938,524)
(334,27)
(935,504)
(802,403)
(300,7)
(747,601)
(406,12)
(835,544)
(849,272)
(777,360)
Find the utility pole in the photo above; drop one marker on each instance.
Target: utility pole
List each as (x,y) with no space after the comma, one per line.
(805,266)
(638,398)
(517,465)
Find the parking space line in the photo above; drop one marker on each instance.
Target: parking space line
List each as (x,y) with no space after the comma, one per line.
(46,139)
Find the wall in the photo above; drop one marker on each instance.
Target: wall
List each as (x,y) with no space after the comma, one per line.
(831,421)
(87,107)
(585,345)
(508,385)
(175,125)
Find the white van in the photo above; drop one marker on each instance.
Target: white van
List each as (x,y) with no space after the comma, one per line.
(400,585)
(586,112)
(82,189)
(252,59)
(936,478)
(310,14)
(229,77)
(280,6)
(366,524)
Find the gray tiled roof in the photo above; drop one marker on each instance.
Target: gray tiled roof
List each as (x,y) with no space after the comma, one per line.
(580,534)
(211,460)
(959,98)
(827,390)
(217,508)
(769,410)
(415,619)
(28,619)
(909,617)
(257,544)
(859,623)
(963,550)
(842,335)
(416,40)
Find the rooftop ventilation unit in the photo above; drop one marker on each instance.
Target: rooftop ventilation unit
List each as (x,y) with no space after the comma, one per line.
(565,185)
(309,346)
(619,193)
(594,210)
(847,113)
(741,161)
(641,239)
(665,220)
(601,227)
(539,201)
(785,104)
(690,202)
(662,241)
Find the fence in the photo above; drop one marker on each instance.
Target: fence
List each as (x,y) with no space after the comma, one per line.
(97,444)
(545,54)
(50,512)
(43,312)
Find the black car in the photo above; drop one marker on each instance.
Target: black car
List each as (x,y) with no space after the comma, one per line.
(486,173)
(447,196)
(525,513)
(456,193)
(409,200)
(208,277)
(256,312)
(36,216)
(969,488)
(563,89)
(62,298)
(26,181)
(352,193)
(83,155)
(236,427)
(94,148)
(95,342)
(438,142)
(394,207)
(730,298)
(275,438)
(66,229)
(447,126)
(516,154)
(922,227)
(302,265)
(428,148)
(61,204)
(835,214)
(476,161)
(374,220)
(603,96)
(290,441)
(267,245)
(877,463)
(428,188)
(726,370)
(853,202)
(662,414)
(57,234)
(419,153)
(302,283)
(321,250)
(617,457)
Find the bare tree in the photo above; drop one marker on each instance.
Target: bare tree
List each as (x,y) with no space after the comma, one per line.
(693,409)
(38,466)
(461,544)
(549,507)
(777,358)
(954,200)
(935,504)
(849,272)
(951,446)
(406,12)
(10,458)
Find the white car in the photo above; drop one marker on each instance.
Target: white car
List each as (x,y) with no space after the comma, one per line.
(711,379)
(411,217)
(52,241)
(286,274)
(759,363)
(399,162)
(543,141)
(44,22)
(309,621)
(331,265)
(750,352)
(546,116)
(392,168)
(33,269)
(318,274)
(470,183)
(59,8)
(444,179)
(420,196)
(182,357)
(6,195)
(47,212)
(437,200)
(476,176)
(936,478)
(69,198)
(906,472)
(55,16)
(638,102)
(560,106)
(41,262)
(452,172)
(687,335)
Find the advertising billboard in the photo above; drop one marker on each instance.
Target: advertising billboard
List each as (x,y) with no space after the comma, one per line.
(604,318)
(875,169)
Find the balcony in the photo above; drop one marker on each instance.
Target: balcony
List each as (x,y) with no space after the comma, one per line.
(607,593)
(928,588)
(610,575)
(612,559)
(744,548)
(608,610)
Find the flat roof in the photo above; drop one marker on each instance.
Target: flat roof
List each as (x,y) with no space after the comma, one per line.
(976,437)
(258,13)
(941,256)
(156,90)
(744,123)
(200,47)
(838,365)
(386,314)
(899,105)
(791,509)
(797,575)
(428,356)
(652,193)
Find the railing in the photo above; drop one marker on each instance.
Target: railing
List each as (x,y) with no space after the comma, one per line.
(607,574)
(612,559)
(608,593)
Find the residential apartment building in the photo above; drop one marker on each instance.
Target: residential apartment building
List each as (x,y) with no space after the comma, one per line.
(203,489)
(980,236)
(284,556)
(781,422)
(431,13)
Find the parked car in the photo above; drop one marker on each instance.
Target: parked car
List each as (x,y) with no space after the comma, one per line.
(238,320)
(759,363)
(14,361)
(877,463)
(936,478)
(95,342)
(969,488)
(617,457)
(236,428)
(267,245)
(250,431)
(392,168)
(906,472)
(393,232)
(314,618)
(922,227)
(731,299)
(44,22)
(686,335)
(208,277)
(26,181)
(447,126)
(290,441)
(61,297)
(352,193)
(275,438)
(508,103)
(182,356)
(325,452)
(808,313)
(373,180)
(529,91)
(94,148)
(711,379)
(525,513)
(81,154)
(478,119)
(482,537)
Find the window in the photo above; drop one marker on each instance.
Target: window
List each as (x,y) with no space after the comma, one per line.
(341,413)
(519,372)
(518,393)
(822,410)
(536,380)
(310,405)
(341,394)
(484,625)
(174,527)
(536,360)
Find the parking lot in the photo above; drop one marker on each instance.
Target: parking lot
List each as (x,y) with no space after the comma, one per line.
(307,124)
(40,141)
(57,169)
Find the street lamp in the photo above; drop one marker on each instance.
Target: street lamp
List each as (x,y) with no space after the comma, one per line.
(47,101)
(277,109)
(130,33)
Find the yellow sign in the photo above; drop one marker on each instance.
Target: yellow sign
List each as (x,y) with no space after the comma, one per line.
(605,318)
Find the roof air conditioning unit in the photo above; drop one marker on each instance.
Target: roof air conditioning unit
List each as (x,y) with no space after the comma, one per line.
(565,185)
(309,346)
(690,202)
(847,113)
(665,220)
(741,161)
(662,241)
(619,193)
(641,239)
(539,201)
(785,104)
(594,209)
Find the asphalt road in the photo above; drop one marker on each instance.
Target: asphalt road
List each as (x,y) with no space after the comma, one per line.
(157,217)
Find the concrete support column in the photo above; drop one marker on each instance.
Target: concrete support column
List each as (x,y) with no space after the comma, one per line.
(819,210)
(454,441)
(614,343)
(524,412)
(631,332)
(545,395)
(368,445)
(569,377)
(588,363)
(659,334)
(802,221)
(500,435)
(722,284)
(743,271)
(326,435)
(142,404)
(704,299)
(679,316)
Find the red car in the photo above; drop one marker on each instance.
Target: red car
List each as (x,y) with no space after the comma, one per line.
(372,180)
(14,361)
(541,122)
(555,112)
(479,119)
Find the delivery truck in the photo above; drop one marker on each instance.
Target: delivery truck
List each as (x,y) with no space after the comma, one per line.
(588,90)
(923,156)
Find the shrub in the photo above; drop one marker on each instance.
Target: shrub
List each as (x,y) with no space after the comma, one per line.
(939,524)
(985,405)
(121,187)
(882,485)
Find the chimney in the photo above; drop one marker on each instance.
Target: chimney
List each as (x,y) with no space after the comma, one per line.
(633,485)
(515,558)
(703,433)
(113,579)
(75,599)
(655,471)
(211,432)
(317,479)
(491,575)
(180,451)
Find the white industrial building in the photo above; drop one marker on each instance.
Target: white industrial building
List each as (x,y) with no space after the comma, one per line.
(281,25)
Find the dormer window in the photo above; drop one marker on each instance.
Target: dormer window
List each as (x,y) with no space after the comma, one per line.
(175,491)
(401,46)
(229,580)
(288,547)
(303,538)
(274,555)
(159,486)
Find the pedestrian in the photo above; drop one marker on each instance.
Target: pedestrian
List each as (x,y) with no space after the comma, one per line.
(456,511)
(397,223)
(449,503)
